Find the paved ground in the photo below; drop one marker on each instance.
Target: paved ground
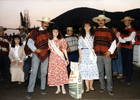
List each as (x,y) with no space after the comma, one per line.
(13,91)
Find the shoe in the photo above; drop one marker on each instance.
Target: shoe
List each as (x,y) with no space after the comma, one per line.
(110,93)
(19,82)
(115,74)
(93,90)
(57,91)
(105,77)
(123,80)
(29,95)
(128,83)
(102,90)
(86,92)
(64,92)
(43,92)
(119,77)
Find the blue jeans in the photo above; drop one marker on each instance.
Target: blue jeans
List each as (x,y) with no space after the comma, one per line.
(117,64)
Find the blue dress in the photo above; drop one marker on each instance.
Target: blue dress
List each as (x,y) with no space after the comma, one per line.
(88,68)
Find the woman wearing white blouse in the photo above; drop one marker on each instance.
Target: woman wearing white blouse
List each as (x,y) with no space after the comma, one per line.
(17,56)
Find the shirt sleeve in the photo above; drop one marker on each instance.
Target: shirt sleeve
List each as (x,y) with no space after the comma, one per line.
(31,44)
(64,44)
(112,47)
(131,37)
(80,43)
(121,40)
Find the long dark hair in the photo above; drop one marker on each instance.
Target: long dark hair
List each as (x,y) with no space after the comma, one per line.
(83,32)
(13,41)
(59,33)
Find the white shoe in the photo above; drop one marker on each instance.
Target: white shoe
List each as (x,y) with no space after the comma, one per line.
(58,91)
(64,91)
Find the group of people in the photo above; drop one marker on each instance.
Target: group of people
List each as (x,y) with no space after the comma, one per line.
(99,52)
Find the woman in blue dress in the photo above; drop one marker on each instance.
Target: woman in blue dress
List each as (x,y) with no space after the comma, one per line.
(88,66)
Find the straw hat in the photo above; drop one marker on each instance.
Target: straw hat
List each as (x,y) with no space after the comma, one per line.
(127,18)
(20,27)
(45,19)
(4,29)
(95,19)
(69,29)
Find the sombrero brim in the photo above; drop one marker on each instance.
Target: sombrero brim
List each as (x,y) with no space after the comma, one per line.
(45,21)
(132,19)
(95,19)
(4,29)
(69,30)
(19,28)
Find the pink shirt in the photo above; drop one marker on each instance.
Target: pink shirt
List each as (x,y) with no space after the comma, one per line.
(117,35)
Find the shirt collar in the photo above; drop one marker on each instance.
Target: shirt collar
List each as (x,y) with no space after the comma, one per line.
(66,35)
(41,29)
(128,27)
(103,27)
(17,46)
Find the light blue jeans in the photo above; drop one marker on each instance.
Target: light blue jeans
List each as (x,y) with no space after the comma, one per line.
(117,64)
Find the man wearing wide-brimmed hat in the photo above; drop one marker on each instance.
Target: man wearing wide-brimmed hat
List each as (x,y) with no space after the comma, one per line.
(37,43)
(104,46)
(4,50)
(127,39)
(72,41)
(22,34)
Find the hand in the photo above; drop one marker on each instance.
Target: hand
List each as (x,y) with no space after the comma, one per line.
(10,42)
(13,63)
(60,48)
(19,64)
(107,54)
(79,60)
(69,49)
(38,50)
(67,62)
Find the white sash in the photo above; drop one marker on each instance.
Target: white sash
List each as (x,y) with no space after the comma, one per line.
(92,56)
(57,50)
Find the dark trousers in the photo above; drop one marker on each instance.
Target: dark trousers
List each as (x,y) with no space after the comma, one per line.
(127,60)
(27,68)
(4,63)
(72,57)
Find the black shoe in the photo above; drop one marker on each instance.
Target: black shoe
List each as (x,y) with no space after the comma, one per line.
(29,95)
(86,92)
(93,90)
(43,92)
(110,93)
(128,83)
(102,90)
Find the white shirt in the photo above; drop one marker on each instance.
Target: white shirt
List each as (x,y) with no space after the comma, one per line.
(113,44)
(31,43)
(15,53)
(129,38)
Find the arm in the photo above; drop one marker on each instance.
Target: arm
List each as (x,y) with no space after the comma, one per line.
(131,37)
(23,55)
(112,47)
(66,55)
(11,56)
(31,44)
(79,55)
(121,40)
